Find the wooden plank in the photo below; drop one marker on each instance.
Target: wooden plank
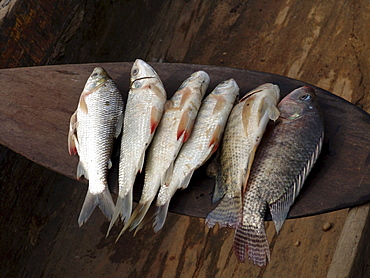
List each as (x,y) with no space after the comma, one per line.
(41,133)
(351,245)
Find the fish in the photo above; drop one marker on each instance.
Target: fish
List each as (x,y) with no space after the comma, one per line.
(173,130)
(282,163)
(245,127)
(202,143)
(144,109)
(93,127)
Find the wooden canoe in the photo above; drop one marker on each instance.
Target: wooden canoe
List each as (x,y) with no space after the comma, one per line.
(36,104)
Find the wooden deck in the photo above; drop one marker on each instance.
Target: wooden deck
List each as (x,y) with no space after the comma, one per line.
(322,43)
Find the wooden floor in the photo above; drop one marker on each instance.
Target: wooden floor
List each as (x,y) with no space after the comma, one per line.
(325,43)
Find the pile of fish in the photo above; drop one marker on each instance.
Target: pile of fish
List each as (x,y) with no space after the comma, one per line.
(172,138)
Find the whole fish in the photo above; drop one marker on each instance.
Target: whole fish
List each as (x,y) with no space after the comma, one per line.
(281,166)
(245,127)
(203,142)
(93,127)
(144,110)
(174,129)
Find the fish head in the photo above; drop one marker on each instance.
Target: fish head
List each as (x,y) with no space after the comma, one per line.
(298,103)
(140,72)
(269,90)
(227,89)
(199,79)
(97,78)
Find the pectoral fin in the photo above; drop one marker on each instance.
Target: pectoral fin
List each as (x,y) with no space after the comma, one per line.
(119,125)
(72,139)
(215,138)
(185,126)
(273,112)
(155,117)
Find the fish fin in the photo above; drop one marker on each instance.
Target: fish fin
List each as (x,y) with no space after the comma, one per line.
(81,171)
(185,182)
(251,240)
(149,216)
(168,174)
(141,162)
(103,200)
(279,209)
(72,139)
(227,213)
(185,126)
(160,216)
(185,95)
(219,105)
(119,125)
(138,215)
(215,138)
(274,113)
(123,208)
(82,103)
(155,117)
(249,167)
(220,189)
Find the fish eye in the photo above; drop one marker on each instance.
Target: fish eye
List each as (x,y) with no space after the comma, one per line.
(135,71)
(94,74)
(306,97)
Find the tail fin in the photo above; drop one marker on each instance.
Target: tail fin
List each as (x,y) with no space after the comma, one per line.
(123,208)
(160,216)
(103,200)
(227,213)
(136,217)
(252,240)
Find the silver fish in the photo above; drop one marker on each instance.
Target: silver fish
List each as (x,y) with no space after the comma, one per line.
(144,110)
(93,127)
(283,161)
(203,142)
(243,133)
(174,129)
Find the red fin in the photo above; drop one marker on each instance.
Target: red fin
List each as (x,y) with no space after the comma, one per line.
(155,117)
(215,138)
(185,126)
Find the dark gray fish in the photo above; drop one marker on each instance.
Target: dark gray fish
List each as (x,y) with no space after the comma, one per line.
(280,168)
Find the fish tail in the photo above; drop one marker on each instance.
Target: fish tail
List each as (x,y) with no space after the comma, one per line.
(138,214)
(136,217)
(160,216)
(227,213)
(123,208)
(251,240)
(103,200)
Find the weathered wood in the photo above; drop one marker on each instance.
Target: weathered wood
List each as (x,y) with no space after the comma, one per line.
(352,242)
(325,43)
(41,133)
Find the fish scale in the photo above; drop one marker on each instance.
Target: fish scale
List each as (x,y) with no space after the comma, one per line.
(145,103)
(173,130)
(281,166)
(93,127)
(203,142)
(244,130)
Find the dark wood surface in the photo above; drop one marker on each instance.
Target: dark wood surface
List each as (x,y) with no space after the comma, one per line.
(37,102)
